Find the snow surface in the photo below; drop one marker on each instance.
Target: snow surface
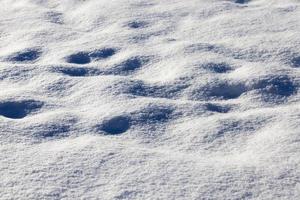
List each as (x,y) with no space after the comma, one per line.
(149,99)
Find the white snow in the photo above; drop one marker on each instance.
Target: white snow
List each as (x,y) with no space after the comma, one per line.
(150,99)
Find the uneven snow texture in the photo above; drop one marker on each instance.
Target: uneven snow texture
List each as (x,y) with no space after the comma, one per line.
(150,99)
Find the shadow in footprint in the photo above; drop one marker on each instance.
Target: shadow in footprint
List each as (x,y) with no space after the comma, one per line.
(87,57)
(74,71)
(20,109)
(218,67)
(241,1)
(102,53)
(28,55)
(217,108)
(296,62)
(78,71)
(275,88)
(132,64)
(54,129)
(139,88)
(153,114)
(271,89)
(151,121)
(137,24)
(79,58)
(129,66)
(227,91)
(222,91)
(149,118)
(115,125)
(201,47)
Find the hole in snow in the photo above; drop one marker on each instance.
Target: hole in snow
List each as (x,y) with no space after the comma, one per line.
(137,24)
(58,128)
(275,88)
(87,57)
(241,1)
(128,66)
(103,53)
(78,71)
(54,130)
(223,90)
(153,114)
(139,88)
(79,58)
(296,62)
(74,71)
(217,108)
(25,56)
(218,67)
(18,110)
(115,125)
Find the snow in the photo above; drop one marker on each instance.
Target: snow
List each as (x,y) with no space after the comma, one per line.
(136,99)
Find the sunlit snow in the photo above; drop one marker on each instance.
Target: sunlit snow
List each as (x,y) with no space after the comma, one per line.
(150,99)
